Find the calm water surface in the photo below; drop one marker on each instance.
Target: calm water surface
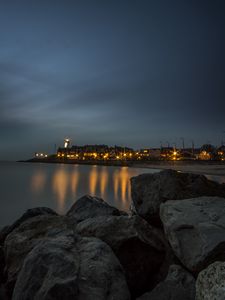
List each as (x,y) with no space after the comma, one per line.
(57,186)
(24,185)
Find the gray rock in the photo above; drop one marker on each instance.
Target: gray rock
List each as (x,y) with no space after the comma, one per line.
(90,207)
(150,190)
(210,284)
(64,268)
(138,246)
(25,237)
(195,229)
(179,284)
(30,213)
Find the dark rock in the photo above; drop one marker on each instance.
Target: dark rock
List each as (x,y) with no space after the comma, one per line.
(25,237)
(178,285)
(169,259)
(210,283)
(138,246)
(64,268)
(90,207)
(195,229)
(3,295)
(30,213)
(2,264)
(150,190)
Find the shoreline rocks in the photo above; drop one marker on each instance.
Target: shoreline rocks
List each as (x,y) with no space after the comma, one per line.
(179,284)
(195,229)
(139,247)
(96,252)
(210,283)
(70,267)
(89,207)
(150,190)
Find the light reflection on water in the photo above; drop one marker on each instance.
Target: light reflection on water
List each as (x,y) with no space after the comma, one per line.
(58,186)
(38,181)
(73,181)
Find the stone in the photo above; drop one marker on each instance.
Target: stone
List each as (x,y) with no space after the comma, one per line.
(3,295)
(139,247)
(148,191)
(210,284)
(71,267)
(195,229)
(30,213)
(25,237)
(179,284)
(90,207)
(2,264)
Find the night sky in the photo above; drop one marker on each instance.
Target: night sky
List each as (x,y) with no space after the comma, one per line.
(115,72)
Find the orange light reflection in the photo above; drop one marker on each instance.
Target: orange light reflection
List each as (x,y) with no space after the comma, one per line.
(93,179)
(60,185)
(121,184)
(103,181)
(38,181)
(74,181)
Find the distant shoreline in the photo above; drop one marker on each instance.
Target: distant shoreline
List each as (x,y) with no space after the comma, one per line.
(198,167)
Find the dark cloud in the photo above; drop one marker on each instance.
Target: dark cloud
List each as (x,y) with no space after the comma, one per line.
(129,72)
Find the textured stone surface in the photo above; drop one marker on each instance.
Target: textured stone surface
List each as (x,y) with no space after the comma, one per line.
(25,237)
(90,207)
(195,229)
(178,285)
(68,268)
(139,246)
(150,190)
(30,213)
(210,284)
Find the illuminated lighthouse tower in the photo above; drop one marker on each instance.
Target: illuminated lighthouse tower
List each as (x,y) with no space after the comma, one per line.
(66,143)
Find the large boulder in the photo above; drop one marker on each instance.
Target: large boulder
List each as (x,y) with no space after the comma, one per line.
(195,229)
(148,191)
(71,268)
(90,207)
(139,247)
(30,213)
(179,284)
(25,237)
(210,283)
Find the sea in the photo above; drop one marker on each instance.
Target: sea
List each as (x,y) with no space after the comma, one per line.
(58,186)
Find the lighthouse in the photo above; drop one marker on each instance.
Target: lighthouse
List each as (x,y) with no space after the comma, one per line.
(66,143)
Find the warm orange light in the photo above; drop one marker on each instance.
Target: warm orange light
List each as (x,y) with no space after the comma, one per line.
(93,179)
(60,185)
(103,181)
(74,181)
(38,181)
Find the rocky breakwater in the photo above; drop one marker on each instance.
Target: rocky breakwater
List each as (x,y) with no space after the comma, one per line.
(171,246)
